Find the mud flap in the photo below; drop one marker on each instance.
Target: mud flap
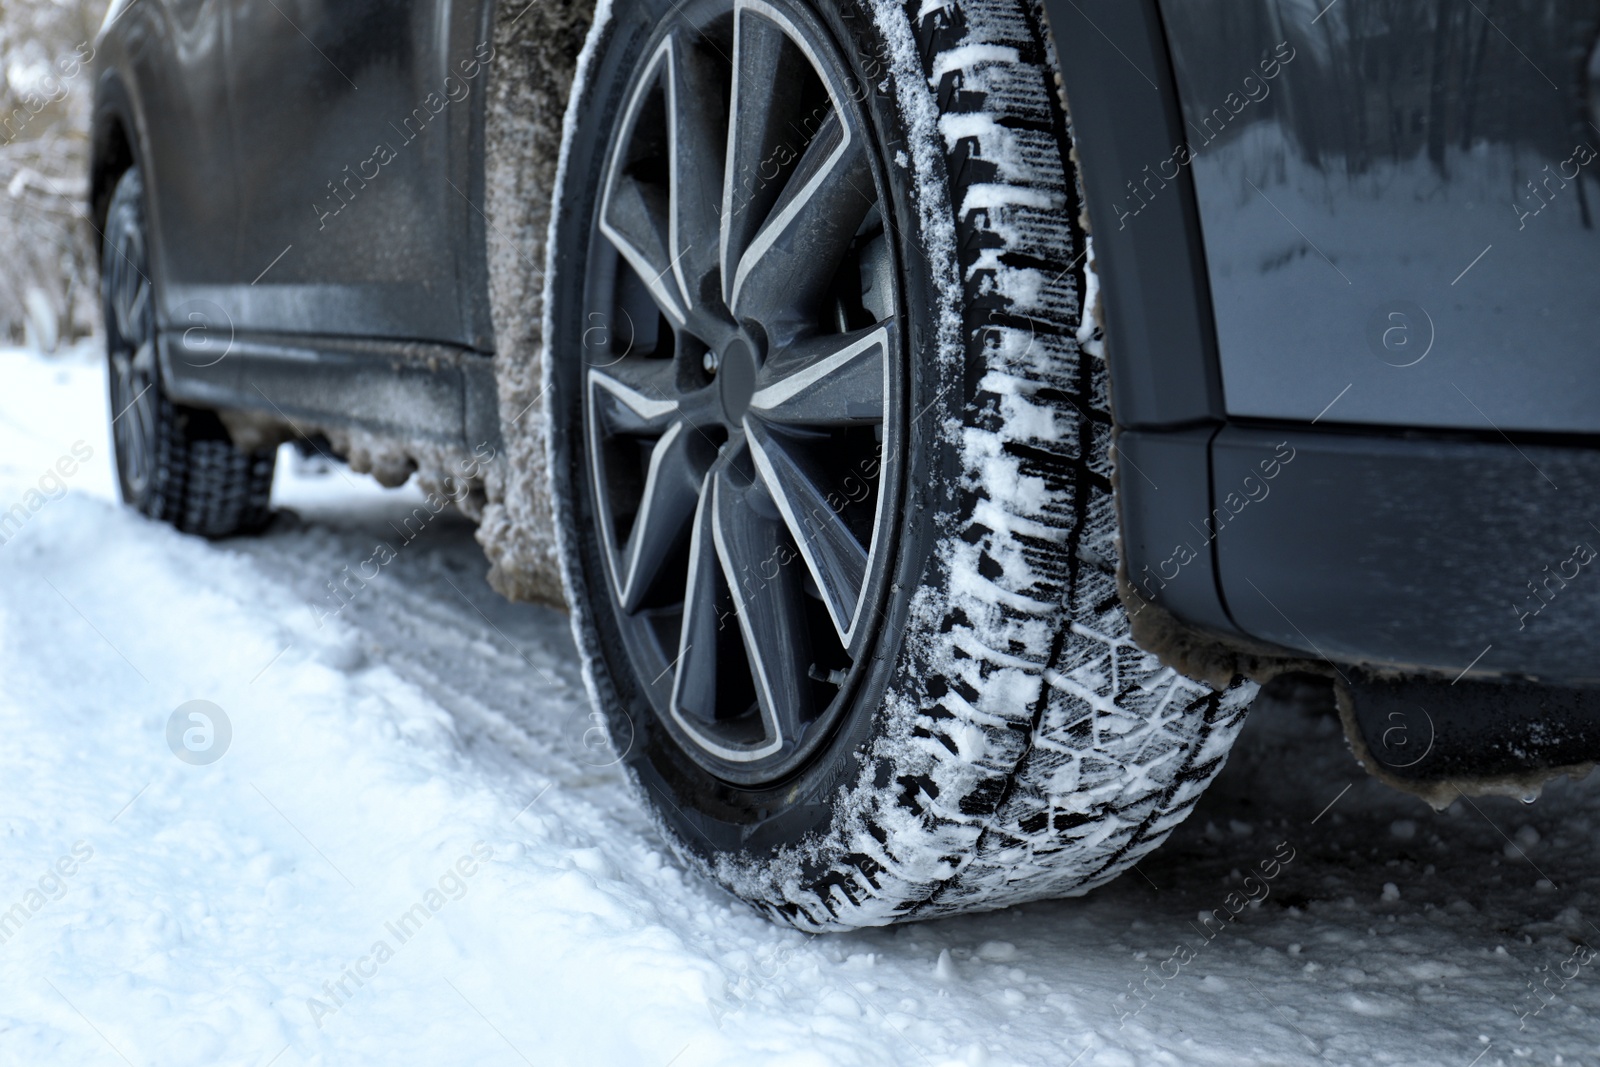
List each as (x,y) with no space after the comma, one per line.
(1439,740)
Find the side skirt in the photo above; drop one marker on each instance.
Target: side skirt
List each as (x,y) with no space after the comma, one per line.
(407,390)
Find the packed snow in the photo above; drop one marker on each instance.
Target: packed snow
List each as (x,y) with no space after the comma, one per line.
(414,848)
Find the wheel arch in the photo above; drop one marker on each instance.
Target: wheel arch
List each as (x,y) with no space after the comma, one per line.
(536,55)
(116,142)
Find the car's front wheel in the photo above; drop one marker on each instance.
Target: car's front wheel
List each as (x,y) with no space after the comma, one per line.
(832,462)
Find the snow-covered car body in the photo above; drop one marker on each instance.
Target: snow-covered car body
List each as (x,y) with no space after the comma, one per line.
(1347,286)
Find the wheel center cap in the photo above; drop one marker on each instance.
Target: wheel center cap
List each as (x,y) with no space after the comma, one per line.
(737,373)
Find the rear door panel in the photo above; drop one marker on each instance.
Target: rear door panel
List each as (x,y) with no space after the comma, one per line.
(352,125)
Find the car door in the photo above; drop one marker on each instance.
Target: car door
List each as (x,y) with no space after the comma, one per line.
(177,52)
(351,143)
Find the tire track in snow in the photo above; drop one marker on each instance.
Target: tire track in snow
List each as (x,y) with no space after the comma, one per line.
(408,727)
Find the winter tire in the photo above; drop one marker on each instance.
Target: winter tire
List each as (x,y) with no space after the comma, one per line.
(831,462)
(176,464)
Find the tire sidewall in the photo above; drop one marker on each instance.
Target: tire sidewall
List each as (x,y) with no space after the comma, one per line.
(707,818)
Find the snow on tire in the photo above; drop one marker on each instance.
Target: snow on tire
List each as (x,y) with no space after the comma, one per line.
(1002,738)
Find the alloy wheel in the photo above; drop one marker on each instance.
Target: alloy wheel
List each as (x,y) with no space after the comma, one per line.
(742,384)
(131,346)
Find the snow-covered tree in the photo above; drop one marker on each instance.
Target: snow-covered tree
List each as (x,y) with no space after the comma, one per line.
(47,248)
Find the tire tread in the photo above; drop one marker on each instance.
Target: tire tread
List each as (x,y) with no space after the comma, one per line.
(1044,752)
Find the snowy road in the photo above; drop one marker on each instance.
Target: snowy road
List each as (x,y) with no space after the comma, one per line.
(414,852)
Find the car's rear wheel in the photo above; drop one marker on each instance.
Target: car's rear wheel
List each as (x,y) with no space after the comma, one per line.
(831,461)
(174,463)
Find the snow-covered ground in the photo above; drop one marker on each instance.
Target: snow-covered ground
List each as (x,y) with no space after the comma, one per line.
(414,850)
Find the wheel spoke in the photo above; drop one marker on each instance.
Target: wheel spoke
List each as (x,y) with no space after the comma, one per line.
(141,431)
(765,131)
(635,217)
(671,488)
(790,262)
(131,297)
(634,220)
(757,563)
(125,422)
(706,603)
(837,561)
(632,397)
(695,114)
(835,380)
(134,403)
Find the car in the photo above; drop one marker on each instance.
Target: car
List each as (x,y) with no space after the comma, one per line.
(938,418)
